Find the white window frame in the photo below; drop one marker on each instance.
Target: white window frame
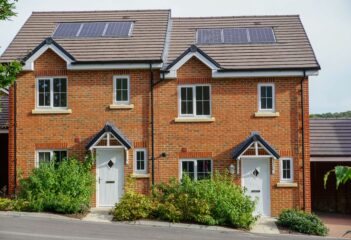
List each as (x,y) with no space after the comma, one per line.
(115,102)
(195,166)
(135,161)
(51,151)
(193,86)
(259,96)
(291,179)
(51,92)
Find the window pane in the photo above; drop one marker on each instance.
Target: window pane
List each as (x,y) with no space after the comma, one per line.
(206,106)
(124,95)
(121,89)
(140,161)
(199,93)
(286,169)
(186,97)
(199,108)
(263,91)
(44,157)
(60,156)
(189,94)
(202,100)
(269,91)
(204,169)
(188,168)
(44,92)
(118,95)
(60,92)
(206,93)
(269,103)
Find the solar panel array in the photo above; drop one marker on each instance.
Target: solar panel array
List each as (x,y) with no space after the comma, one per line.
(235,35)
(93,29)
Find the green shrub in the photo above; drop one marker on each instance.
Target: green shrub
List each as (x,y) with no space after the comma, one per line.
(64,188)
(13,205)
(214,201)
(302,222)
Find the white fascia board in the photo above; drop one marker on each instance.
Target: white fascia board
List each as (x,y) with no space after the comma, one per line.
(173,70)
(109,66)
(248,74)
(29,64)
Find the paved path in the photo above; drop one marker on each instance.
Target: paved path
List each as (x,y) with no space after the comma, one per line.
(338,224)
(30,228)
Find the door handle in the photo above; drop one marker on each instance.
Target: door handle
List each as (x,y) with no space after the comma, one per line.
(255,191)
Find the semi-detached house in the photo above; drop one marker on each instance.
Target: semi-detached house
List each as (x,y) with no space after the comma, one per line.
(154,97)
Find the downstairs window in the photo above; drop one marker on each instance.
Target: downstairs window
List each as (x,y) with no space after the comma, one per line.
(196,169)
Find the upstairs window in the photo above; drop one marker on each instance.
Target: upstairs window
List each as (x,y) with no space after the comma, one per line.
(47,156)
(266,96)
(121,89)
(140,161)
(52,93)
(286,170)
(195,101)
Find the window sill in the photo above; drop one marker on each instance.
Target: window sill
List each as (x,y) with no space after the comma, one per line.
(267,114)
(193,120)
(51,111)
(139,175)
(287,185)
(122,106)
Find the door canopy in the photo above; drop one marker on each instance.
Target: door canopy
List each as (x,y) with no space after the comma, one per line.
(254,146)
(109,136)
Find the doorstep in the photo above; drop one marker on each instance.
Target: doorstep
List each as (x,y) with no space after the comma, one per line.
(99,215)
(266,225)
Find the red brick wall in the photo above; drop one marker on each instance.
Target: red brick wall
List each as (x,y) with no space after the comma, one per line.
(234,102)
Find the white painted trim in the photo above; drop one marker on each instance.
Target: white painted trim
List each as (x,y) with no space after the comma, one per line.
(121,103)
(266,114)
(193,116)
(287,185)
(108,146)
(113,66)
(173,70)
(29,64)
(140,172)
(121,106)
(4,91)
(250,74)
(180,169)
(255,143)
(4,131)
(270,110)
(291,179)
(331,159)
(194,119)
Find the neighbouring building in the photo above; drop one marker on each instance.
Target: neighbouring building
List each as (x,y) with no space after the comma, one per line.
(154,97)
(330,147)
(4,123)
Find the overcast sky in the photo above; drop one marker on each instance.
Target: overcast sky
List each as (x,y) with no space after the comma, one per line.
(327,22)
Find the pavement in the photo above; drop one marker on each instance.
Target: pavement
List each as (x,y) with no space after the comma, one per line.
(21,227)
(338,224)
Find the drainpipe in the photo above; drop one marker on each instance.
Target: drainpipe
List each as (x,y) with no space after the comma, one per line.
(152,127)
(303,143)
(15,136)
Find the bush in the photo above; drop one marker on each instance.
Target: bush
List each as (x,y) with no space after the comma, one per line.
(214,201)
(64,188)
(302,222)
(133,206)
(13,205)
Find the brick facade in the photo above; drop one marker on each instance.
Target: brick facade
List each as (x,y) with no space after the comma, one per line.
(234,102)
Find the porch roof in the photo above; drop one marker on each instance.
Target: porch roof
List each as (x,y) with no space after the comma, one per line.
(254,137)
(110,128)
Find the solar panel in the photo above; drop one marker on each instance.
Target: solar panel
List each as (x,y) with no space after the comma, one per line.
(92,29)
(235,35)
(261,35)
(67,30)
(209,36)
(118,29)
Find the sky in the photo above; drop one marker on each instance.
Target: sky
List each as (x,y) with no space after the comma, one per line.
(327,23)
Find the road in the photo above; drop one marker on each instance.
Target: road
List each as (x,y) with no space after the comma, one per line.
(30,228)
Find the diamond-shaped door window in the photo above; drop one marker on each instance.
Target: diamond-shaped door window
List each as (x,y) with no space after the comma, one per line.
(110,164)
(255,172)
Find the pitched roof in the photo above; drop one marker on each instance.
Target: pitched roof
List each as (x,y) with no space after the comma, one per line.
(254,137)
(146,42)
(330,137)
(4,110)
(292,49)
(110,128)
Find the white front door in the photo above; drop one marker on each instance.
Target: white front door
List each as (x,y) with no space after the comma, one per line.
(110,176)
(256,179)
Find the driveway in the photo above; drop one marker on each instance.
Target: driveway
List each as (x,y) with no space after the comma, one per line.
(338,224)
(30,228)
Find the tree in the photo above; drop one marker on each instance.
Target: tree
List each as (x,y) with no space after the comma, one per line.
(342,174)
(8,71)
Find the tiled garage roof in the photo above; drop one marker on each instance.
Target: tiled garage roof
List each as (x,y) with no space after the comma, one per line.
(330,137)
